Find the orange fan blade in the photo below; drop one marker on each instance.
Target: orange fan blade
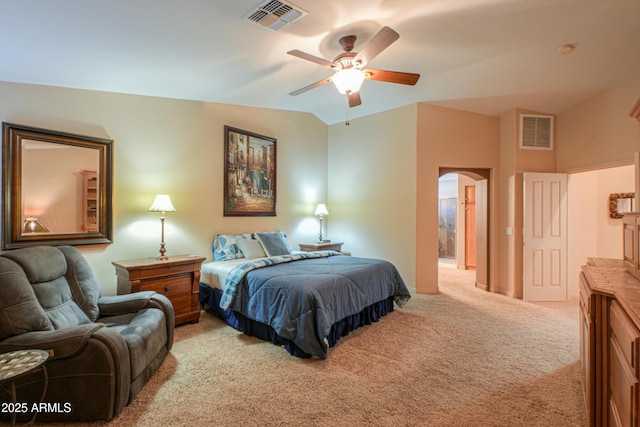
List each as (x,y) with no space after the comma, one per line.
(377,44)
(308,57)
(311,86)
(392,76)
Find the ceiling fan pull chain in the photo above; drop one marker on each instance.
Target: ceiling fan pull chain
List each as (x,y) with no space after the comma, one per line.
(346,123)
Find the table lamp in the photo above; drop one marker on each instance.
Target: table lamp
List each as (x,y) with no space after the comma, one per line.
(163,204)
(321,212)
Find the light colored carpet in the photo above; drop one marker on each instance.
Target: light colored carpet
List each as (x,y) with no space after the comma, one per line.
(464,357)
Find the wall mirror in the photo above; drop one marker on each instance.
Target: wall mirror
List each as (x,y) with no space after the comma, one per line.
(621,203)
(56,188)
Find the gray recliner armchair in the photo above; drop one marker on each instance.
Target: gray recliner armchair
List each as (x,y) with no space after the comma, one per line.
(103,349)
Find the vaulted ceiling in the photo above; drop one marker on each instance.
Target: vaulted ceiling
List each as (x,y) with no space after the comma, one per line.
(477,55)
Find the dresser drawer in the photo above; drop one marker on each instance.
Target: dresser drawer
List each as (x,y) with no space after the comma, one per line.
(623,389)
(170,286)
(625,334)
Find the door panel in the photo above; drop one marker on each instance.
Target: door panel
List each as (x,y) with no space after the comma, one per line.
(545,236)
(470,227)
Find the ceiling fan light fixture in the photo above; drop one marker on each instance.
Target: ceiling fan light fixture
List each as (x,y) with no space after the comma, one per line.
(348,80)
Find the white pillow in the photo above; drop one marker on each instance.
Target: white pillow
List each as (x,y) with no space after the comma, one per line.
(251,248)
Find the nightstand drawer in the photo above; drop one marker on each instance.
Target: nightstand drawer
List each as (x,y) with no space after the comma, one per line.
(165,270)
(170,286)
(182,305)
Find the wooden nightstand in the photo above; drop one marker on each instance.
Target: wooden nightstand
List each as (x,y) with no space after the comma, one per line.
(330,246)
(177,278)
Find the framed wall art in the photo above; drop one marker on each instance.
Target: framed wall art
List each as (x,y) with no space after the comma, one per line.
(249,173)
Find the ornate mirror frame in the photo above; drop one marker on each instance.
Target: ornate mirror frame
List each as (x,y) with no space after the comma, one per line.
(14,235)
(614,211)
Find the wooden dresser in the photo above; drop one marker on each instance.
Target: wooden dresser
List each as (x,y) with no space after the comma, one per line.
(177,278)
(610,342)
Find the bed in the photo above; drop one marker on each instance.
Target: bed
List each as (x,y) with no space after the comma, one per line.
(303,301)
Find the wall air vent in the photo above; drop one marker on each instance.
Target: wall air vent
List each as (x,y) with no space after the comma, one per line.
(536,132)
(275,15)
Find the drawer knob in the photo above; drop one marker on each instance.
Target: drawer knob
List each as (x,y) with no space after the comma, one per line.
(167,288)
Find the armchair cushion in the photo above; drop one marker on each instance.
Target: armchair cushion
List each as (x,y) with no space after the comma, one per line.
(83,284)
(145,334)
(20,310)
(45,267)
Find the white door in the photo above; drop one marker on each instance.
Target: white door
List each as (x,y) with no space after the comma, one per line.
(545,236)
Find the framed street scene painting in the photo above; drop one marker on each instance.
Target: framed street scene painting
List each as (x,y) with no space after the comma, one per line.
(249,173)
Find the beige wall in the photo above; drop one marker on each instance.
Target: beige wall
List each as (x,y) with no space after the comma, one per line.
(456,139)
(597,141)
(372,188)
(508,218)
(176,147)
(592,232)
(599,132)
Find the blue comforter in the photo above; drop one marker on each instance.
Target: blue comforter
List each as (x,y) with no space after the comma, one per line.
(302,297)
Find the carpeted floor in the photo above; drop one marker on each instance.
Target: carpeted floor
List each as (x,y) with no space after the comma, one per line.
(461,358)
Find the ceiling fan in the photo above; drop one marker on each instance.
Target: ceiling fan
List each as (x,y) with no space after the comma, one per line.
(349,66)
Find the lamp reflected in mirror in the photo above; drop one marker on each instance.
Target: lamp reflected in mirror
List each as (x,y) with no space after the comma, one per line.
(33,225)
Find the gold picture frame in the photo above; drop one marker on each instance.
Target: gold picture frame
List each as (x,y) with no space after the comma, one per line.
(249,173)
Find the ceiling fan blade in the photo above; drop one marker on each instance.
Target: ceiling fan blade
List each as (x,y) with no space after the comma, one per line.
(307,56)
(354,99)
(377,44)
(311,86)
(391,76)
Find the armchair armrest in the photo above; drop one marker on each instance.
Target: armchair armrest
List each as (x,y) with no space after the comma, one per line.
(60,344)
(123,304)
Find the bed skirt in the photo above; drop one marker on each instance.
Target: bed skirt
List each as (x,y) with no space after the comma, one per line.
(210,297)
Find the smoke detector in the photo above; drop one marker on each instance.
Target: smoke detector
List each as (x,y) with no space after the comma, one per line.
(275,14)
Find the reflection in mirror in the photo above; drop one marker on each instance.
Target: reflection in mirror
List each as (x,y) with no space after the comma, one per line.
(56,188)
(52,185)
(621,203)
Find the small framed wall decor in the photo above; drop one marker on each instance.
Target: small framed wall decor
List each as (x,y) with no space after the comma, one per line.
(249,173)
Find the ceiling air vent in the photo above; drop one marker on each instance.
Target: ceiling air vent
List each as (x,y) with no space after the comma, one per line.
(536,132)
(275,15)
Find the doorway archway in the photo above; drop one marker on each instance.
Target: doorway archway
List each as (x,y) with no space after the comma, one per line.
(482,177)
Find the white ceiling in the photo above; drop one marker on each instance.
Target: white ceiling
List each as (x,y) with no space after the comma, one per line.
(485,56)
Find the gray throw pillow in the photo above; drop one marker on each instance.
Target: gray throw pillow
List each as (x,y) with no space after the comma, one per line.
(273,243)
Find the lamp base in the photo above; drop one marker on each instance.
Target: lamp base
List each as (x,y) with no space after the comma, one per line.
(162,252)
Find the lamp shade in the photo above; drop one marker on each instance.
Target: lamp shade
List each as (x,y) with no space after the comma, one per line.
(348,80)
(162,203)
(321,210)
